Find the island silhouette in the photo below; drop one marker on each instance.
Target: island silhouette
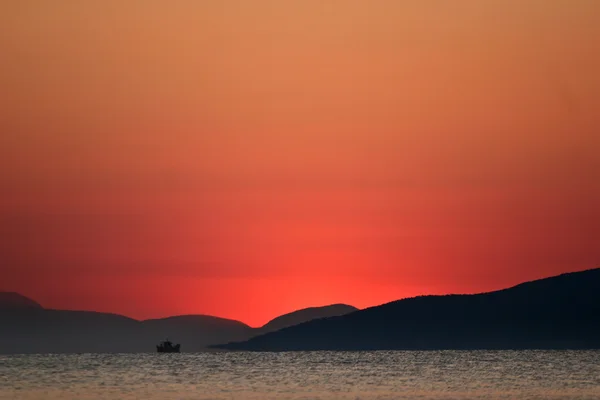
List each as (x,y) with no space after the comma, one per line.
(561,312)
(27,327)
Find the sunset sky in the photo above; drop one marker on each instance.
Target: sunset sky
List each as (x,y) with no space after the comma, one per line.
(248,158)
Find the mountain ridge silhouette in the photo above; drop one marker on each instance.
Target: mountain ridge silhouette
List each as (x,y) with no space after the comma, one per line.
(27,327)
(12,300)
(559,312)
(306,314)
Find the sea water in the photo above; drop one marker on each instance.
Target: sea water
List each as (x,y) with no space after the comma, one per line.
(304,375)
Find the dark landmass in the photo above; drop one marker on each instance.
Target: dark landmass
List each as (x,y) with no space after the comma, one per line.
(194,332)
(27,328)
(11,301)
(305,315)
(59,331)
(561,312)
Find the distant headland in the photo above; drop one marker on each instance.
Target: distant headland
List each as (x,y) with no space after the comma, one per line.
(28,327)
(561,312)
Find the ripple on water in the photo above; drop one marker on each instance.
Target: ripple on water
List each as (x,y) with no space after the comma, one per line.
(304,375)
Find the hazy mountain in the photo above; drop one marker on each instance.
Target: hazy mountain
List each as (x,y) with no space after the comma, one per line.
(194,332)
(306,314)
(26,327)
(558,312)
(10,300)
(58,331)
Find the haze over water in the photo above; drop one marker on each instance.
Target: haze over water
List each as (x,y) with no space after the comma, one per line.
(305,375)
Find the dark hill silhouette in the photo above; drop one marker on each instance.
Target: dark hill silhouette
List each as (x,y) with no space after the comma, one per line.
(11,300)
(195,332)
(59,331)
(561,312)
(305,315)
(26,327)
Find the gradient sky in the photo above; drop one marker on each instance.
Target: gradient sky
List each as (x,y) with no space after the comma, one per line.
(248,158)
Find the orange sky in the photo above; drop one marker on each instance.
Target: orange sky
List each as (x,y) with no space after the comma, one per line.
(247,158)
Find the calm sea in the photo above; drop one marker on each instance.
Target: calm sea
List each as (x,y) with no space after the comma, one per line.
(306,375)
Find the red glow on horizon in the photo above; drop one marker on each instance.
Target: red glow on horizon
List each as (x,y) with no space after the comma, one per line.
(247,159)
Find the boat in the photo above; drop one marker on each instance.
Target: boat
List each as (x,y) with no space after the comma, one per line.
(167,347)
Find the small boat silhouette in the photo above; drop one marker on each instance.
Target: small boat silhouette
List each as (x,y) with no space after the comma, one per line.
(167,347)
